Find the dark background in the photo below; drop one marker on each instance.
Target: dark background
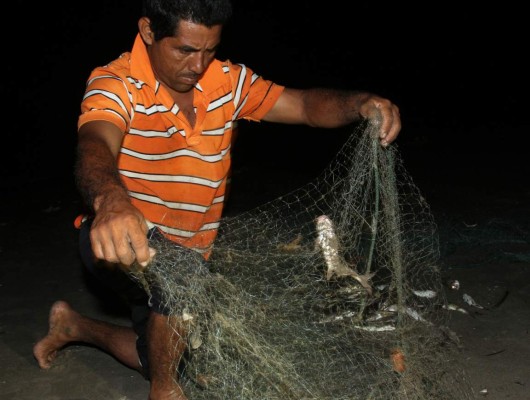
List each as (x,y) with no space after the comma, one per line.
(458,74)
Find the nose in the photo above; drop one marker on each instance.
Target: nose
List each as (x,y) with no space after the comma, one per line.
(198,63)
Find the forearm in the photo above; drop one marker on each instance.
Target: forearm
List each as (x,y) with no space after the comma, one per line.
(96,172)
(318,107)
(330,108)
(118,232)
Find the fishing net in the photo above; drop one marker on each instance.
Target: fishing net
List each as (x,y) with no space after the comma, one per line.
(331,291)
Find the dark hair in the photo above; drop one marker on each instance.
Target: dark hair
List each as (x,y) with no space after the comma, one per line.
(166,14)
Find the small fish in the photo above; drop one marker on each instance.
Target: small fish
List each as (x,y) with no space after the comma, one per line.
(429,294)
(294,245)
(195,340)
(368,328)
(454,307)
(329,244)
(469,300)
(409,311)
(334,318)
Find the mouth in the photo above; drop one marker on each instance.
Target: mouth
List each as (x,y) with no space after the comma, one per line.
(189,80)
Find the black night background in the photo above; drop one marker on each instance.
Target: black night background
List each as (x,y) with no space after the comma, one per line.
(459,74)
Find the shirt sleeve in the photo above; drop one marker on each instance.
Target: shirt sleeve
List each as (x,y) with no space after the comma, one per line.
(106,98)
(254,96)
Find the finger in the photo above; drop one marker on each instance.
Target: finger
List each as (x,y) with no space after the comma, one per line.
(113,245)
(124,251)
(390,126)
(395,127)
(101,248)
(140,246)
(97,250)
(143,266)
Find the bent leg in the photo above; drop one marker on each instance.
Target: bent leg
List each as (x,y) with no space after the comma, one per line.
(66,326)
(166,345)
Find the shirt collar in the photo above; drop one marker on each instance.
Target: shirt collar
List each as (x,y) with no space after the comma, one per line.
(140,64)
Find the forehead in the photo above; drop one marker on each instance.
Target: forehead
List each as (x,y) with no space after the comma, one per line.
(197,35)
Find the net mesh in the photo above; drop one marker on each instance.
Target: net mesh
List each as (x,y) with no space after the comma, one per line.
(331,291)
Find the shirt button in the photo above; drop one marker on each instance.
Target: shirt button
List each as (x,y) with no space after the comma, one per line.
(193,141)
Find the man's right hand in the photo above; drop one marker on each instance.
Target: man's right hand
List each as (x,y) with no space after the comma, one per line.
(119,232)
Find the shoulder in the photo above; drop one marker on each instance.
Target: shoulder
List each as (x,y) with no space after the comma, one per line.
(218,72)
(110,94)
(117,72)
(226,72)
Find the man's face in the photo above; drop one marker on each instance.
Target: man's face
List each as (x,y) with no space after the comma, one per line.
(179,61)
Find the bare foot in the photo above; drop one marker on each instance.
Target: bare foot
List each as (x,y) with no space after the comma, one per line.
(62,327)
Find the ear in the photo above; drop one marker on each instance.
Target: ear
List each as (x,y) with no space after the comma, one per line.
(144,28)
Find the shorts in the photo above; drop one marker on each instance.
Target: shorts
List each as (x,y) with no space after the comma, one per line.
(132,293)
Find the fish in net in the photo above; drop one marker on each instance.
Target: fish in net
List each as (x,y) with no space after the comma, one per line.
(331,291)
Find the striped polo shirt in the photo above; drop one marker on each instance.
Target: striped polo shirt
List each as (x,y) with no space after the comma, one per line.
(176,174)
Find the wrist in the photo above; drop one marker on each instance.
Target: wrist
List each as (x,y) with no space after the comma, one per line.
(111,197)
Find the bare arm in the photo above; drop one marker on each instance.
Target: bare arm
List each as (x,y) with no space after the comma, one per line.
(329,108)
(118,233)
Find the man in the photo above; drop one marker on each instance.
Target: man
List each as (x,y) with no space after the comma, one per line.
(154,141)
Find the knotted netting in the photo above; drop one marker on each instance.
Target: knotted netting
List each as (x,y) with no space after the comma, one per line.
(331,291)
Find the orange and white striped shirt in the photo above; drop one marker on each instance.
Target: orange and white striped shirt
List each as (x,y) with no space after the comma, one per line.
(176,174)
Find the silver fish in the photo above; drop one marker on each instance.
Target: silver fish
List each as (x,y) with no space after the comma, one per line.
(328,242)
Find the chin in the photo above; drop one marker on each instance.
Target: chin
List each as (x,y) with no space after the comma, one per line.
(182,88)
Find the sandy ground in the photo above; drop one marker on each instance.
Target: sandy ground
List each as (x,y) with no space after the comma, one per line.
(472,168)
(484,237)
